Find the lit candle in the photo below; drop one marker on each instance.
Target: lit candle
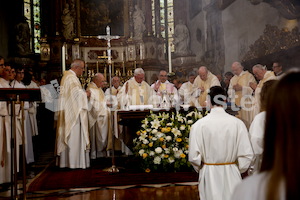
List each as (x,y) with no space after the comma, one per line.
(63,58)
(169,58)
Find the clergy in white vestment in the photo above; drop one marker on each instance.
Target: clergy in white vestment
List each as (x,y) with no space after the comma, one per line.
(263,75)
(5,132)
(99,117)
(219,149)
(201,85)
(165,89)
(186,89)
(72,137)
(17,83)
(116,87)
(135,91)
(240,93)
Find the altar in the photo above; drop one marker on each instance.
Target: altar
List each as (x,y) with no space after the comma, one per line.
(131,120)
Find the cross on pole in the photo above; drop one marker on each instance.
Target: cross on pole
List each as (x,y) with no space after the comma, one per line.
(108,37)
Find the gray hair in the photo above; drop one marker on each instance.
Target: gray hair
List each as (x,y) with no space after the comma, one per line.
(76,63)
(138,71)
(259,66)
(238,64)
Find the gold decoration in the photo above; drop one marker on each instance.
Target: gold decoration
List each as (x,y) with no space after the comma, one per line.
(273,40)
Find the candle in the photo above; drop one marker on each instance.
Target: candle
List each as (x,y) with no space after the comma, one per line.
(123,69)
(134,64)
(112,72)
(85,69)
(105,72)
(169,58)
(63,58)
(97,66)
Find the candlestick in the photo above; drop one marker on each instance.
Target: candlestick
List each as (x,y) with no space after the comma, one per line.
(169,58)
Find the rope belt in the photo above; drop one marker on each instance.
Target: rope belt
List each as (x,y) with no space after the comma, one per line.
(229,163)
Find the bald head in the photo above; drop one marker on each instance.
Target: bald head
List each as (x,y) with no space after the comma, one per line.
(203,71)
(237,68)
(99,80)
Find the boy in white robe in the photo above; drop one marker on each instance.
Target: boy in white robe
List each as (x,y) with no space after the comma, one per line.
(219,149)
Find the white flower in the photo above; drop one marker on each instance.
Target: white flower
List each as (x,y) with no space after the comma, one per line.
(162,155)
(144,126)
(154,138)
(141,152)
(168,138)
(152,153)
(154,131)
(155,124)
(148,130)
(176,132)
(178,153)
(171,159)
(167,151)
(145,141)
(170,124)
(158,149)
(157,160)
(175,149)
(182,127)
(190,121)
(146,121)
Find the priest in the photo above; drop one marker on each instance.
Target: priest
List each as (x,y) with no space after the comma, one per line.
(72,137)
(263,75)
(99,117)
(240,93)
(201,85)
(135,91)
(164,88)
(186,89)
(219,149)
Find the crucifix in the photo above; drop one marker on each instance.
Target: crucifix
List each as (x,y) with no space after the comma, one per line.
(109,37)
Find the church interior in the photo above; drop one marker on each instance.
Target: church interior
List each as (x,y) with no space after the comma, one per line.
(115,37)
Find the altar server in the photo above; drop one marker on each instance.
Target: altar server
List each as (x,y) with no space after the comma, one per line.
(219,149)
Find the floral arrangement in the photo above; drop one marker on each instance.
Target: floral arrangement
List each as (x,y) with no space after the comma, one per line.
(162,141)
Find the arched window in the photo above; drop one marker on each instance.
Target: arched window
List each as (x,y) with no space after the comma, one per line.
(32,13)
(166,19)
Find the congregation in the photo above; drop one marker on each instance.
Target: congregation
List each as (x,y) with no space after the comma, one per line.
(85,127)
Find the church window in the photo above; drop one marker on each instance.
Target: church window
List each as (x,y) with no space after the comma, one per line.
(32,13)
(166,20)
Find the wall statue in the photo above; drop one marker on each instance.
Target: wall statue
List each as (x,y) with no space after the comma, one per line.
(181,39)
(23,37)
(138,22)
(67,19)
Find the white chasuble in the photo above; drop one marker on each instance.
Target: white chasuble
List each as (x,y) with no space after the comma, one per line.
(201,96)
(219,150)
(242,98)
(136,94)
(99,121)
(72,139)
